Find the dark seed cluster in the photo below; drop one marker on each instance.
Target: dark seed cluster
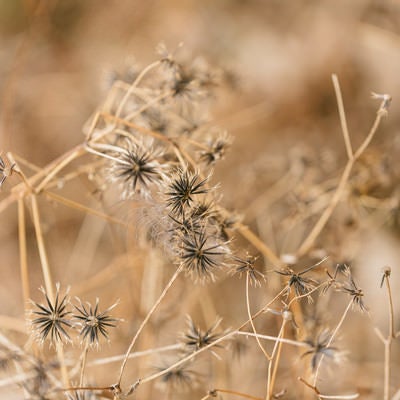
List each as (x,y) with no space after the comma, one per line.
(54,320)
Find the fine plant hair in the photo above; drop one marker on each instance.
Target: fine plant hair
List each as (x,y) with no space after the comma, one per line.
(148,154)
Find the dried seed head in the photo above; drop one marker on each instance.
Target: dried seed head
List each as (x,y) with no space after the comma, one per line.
(386,100)
(302,285)
(94,323)
(183,187)
(180,378)
(386,272)
(137,168)
(216,149)
(246,265)
(201,254)
(53,318)
(195,338)
(320,346)
(351,289)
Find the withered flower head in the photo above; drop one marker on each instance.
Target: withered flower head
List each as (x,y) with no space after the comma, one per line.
(195,338)
(320,347)
(353,290)
(53,318)
(182,189)
(93,322)
(302,285)
(216,149)
(201,254)
(137,167)
(246,265)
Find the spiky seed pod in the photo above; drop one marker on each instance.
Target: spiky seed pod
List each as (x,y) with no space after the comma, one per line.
(201,254)
(137,168)
(182,189)
(94,323)
(53,318)
(195,338)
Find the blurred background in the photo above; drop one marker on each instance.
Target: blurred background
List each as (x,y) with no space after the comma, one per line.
(59,58)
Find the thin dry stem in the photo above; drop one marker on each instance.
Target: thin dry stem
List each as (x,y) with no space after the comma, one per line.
(23,252)
(139,128)
(134,84)
(274,339)
(387,342)
(144,322)
(338,326)
(276,352)
(320,224)
(252,238)
(59,164)
(234,392)
(48,172)
(80,207)
(83,364)
(278,357)
(342,116)
(48,281)
(267,356)
(326,396)
(219,340)
(150,103)
(108,360)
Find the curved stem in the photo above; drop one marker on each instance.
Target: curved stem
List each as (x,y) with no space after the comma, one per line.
(134,84)
(144,322)
(276,351)
(48,281)
(268,357)
(319,226)
(259,244)
(59,164)
(338,326)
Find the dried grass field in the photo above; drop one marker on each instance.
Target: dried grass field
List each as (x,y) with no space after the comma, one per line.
(199,199)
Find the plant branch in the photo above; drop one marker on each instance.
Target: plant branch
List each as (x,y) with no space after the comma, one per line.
(23,252)
(144,322)
(323,219)
(342,116)
(267,356)
(338,326)
(48,281)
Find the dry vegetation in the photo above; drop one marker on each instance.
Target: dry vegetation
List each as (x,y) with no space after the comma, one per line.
(213,220)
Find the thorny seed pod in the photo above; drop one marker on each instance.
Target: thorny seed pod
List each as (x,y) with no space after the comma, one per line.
(320,347)
(216,149)
(201,254)
(195,338)
(137,168)
(301,285)
(53,318)
(182,189)
(93,322)
(351,289)
(246,265)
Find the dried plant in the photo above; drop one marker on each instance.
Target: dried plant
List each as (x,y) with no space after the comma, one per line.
(146,163)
